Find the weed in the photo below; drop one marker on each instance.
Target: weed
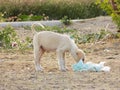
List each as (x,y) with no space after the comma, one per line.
(94,37)
(2,17)
(29,17)
(117,35)
(74,34)
(10,40)
(24,44)
(116,19)
(65,20)
(7,36)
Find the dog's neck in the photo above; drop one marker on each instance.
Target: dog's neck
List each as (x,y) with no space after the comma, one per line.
(74,49)
(73,46)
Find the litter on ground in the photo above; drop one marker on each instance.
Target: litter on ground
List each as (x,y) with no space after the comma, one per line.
(90,66)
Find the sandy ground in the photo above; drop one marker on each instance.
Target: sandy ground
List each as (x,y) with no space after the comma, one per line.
(17,70)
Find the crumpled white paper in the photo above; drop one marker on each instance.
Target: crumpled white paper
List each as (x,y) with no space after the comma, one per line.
(90,66)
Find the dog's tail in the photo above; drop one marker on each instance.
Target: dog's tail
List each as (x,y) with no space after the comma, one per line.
(33,29)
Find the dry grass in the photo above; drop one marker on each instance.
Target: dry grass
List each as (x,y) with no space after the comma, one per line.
(17,71)
(54,1)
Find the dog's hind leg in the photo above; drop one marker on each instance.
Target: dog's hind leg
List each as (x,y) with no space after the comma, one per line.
(38,52)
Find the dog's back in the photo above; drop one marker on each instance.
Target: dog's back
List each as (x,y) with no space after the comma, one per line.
(51,40)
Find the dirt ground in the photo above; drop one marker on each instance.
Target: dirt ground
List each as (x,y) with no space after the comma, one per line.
(17,70)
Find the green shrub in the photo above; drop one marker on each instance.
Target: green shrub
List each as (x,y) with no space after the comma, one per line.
(54,10)
(1,17)
(65,20)
(116,19)
(7,36)
(29,17)
(10,40)
(113,11)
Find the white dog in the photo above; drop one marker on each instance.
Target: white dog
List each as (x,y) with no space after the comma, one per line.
(51,41)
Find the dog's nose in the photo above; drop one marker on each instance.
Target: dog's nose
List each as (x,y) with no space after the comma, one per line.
(83,59)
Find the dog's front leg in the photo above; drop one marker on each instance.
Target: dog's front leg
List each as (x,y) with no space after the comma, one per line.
(61,61)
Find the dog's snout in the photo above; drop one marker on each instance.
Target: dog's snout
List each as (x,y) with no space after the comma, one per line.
(83,59)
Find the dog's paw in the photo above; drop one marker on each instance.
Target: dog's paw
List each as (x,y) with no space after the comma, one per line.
(64,69)
(39,69)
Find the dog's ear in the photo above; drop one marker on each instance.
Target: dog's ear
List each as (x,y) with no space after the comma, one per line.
(80,54)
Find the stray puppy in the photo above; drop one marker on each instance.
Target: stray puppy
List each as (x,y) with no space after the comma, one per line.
(51,41)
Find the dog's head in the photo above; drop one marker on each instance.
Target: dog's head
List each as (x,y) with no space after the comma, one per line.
(80,55)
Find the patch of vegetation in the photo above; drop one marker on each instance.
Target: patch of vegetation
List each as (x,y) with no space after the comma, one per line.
(10,40)
(65,20)
(112,7)
(29,18)
(117,35)
(7,36)
(94,37)
(116,19)
(57,29)
(80,38)
(1,17)
(53,9)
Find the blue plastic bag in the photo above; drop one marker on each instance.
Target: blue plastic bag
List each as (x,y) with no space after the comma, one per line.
(89,66)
